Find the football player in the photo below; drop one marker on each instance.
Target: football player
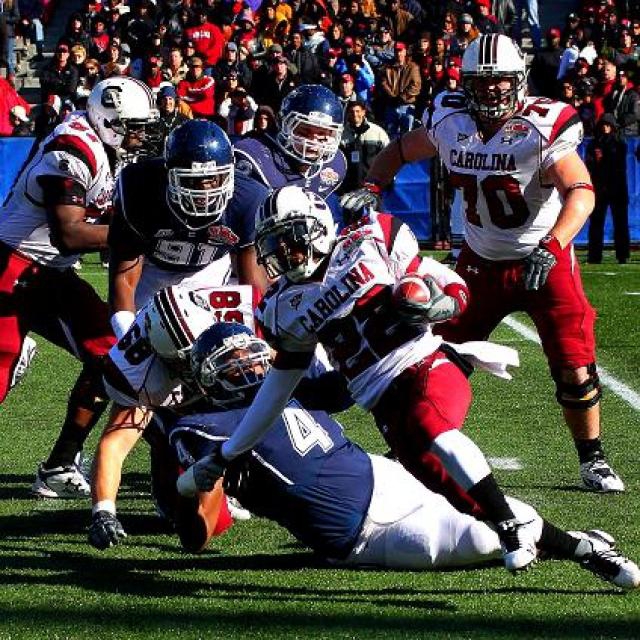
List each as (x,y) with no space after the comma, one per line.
(526,195)
(353,508)
(179,218)
(305,150)
(340,293)
(44,227)
(146,370)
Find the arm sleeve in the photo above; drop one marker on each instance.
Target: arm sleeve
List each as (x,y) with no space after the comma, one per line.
(266,407)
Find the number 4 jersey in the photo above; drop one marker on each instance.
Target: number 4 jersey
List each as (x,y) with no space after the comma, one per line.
(508,203)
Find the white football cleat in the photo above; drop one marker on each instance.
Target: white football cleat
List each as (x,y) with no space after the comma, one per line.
(61,482)
(518,542)
(613,567)
(236,510)
(26,356)
(597,475)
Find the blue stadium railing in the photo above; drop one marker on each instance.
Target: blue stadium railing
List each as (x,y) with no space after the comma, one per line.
(409,199)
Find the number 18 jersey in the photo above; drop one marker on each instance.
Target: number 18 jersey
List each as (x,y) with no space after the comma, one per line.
(508,204)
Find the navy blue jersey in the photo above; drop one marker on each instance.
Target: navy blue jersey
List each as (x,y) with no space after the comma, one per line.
(305,475)
(263,160)
(145,224)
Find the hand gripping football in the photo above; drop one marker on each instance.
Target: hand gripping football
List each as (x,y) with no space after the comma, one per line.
(413,290)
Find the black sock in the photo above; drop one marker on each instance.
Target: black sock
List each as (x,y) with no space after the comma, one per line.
(557,543)
(489,496)
(590,449)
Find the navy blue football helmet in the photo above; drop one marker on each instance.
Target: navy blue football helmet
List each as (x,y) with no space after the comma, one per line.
(229,363)
(311,124)
(199,159)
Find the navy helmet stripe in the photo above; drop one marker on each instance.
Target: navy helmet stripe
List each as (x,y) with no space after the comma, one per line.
(494,48)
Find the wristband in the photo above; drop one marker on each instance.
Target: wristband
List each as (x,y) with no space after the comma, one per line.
(121,322)
(372,186)
(186,483)
(551,244)
(104,505)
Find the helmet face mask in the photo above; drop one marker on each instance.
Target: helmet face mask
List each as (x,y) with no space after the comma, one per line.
(311,124)
(287,248)
(294,233)
(200,184)
(309,139)
(229,363)
(494,77)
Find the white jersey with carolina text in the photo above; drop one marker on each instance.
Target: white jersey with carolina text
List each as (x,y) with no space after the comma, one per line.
(508,203)
(73,152)
(350,312)
(136,376)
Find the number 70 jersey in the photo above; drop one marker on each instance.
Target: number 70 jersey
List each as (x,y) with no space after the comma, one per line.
(508,202)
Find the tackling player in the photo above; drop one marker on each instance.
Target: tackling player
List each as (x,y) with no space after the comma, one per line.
(43,229)
(351,507)
(147,368)
(339,292)
(526,195)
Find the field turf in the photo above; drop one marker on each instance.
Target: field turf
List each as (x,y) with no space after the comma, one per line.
(257,582)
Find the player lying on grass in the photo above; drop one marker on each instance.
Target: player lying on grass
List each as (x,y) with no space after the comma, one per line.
(351,507)
(146,370)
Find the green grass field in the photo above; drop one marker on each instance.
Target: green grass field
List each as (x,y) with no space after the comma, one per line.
(257,582)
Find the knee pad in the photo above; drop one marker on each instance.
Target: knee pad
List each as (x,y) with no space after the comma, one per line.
(578,396)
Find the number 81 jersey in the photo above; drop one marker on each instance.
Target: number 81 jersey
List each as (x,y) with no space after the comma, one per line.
(508,203)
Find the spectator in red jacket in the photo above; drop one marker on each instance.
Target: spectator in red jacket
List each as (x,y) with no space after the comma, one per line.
(152,72)
(198,90)
(207,38)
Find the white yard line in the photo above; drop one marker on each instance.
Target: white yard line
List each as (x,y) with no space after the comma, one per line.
(619,388)
(506,464)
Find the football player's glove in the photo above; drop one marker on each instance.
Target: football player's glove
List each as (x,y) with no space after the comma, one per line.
(439,308)
(356,204)
(105,530)
(207,470)
(539,263)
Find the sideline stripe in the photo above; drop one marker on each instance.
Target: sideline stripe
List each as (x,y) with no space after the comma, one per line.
(624,392)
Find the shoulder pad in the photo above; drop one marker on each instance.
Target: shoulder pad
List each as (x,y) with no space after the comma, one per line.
(446,104)
(550,117)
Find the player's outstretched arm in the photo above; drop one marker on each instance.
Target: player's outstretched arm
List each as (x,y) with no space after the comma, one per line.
(124,275)
(410,147)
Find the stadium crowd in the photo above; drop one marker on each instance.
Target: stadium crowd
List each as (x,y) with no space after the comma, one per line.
(233,62)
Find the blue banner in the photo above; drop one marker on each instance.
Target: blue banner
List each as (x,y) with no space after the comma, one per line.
(13,153)
(409,199)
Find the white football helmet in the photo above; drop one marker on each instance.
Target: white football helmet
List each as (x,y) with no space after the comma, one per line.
(118,104)
(174,319)
(294,232)
(494,57)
